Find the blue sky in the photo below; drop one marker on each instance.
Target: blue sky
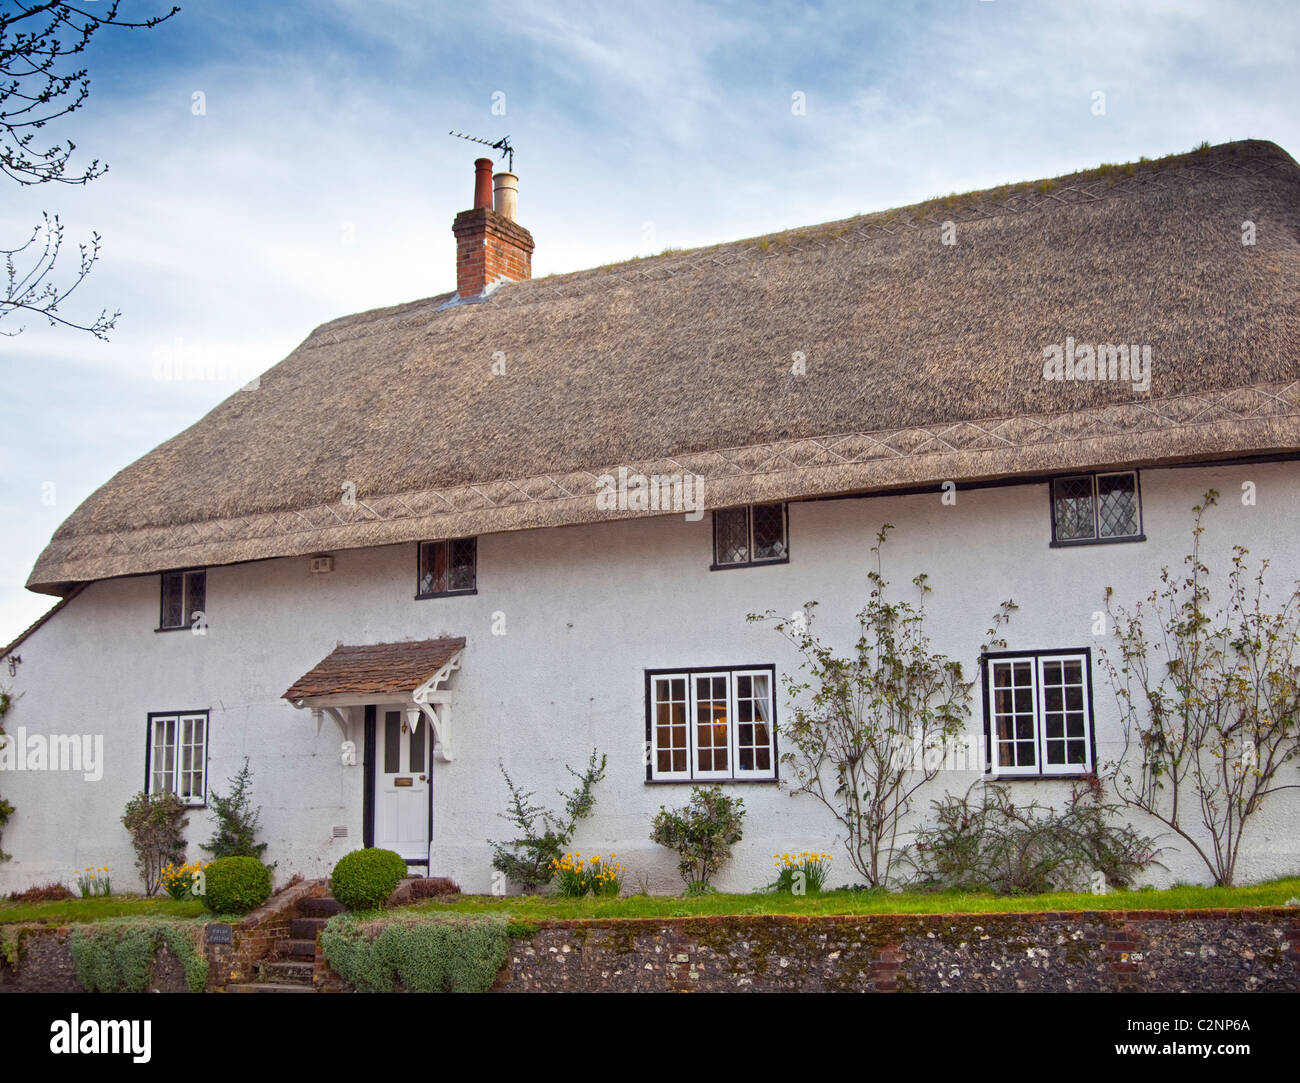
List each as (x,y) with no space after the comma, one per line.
(319,179)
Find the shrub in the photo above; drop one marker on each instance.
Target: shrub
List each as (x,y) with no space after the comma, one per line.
(800,874)
(114,957)
(1209,700)
(236,885)
(433,955)
(702,833)
(236,834)
(528,860)
(992,844)
(157,828)
(364,879)
(43,893)
(870,725)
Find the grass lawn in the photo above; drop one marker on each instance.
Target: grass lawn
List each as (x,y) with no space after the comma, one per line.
(540,908)
(79,911)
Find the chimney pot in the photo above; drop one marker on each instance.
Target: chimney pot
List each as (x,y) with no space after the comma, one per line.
(506,194)
(482,182)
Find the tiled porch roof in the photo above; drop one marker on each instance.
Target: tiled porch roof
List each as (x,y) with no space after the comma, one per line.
(375,668)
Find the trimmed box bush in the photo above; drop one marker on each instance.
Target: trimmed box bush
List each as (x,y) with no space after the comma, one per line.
(236,885)
(363,879)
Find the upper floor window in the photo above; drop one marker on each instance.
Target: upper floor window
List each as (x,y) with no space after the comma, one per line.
(448,567)
(711,724)
(184,599)
(1096,508)
(757,534)
(1038,713)
(177,756)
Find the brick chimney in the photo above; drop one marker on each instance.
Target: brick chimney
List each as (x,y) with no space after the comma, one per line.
(490,245)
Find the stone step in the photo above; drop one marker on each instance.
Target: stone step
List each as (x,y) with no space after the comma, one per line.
(268,987)
(296,949)
(306,928)
(322,908)
(295,971)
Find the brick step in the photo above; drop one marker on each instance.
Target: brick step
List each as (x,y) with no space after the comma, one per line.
(268,987)
(321,908)
(306,928)
(296,949)
(298,970)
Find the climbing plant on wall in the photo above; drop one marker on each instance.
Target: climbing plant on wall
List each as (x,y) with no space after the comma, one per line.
(6,809)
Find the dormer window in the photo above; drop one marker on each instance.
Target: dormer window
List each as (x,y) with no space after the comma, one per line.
(184,599)
(757,534)
(448,567)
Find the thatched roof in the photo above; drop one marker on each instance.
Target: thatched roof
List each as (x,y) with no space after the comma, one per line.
(924,363)
(375,668)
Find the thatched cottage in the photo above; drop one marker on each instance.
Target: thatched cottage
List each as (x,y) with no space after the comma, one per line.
(425,545)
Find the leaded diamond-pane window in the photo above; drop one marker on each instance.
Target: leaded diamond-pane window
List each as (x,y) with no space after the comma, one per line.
(1117,509)
(448,567)
(1096,507)
(731,536)
(753,535)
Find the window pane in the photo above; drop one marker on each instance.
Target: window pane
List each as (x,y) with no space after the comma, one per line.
(670,724)
(196,584)
(460,570)
(163,755)
(1013,714)
(433,567)
(1064,721)
(711,724)
(173,600)
(731,536)
(419,764)
(1072,508)
(769,531)
(753,726)
(392,742)
(1117,510)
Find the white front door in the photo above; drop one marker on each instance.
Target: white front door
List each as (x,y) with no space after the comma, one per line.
(402,784)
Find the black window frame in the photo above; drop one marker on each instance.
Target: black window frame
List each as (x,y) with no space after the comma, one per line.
(709,780)
(419,564)
(1040,775)
(1092,476)
(150,717)
(749,524)
(186,615)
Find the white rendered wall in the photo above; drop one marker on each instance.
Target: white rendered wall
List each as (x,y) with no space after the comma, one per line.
(587,610)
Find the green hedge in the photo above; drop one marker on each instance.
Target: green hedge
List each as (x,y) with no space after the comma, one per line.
(429,955)
(118,957)
(364,879)
(236,885)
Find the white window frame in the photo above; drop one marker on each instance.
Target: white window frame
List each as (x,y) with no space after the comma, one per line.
(733,773)
(187,725)
(1040,768)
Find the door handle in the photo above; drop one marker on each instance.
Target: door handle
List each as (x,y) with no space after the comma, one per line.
(423,779)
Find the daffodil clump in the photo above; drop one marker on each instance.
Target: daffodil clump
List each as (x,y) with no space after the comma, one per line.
(94,882)
(801,873)
(178,880)
(577,876)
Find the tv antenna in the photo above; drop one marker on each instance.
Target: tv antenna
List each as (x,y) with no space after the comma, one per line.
(502,144)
